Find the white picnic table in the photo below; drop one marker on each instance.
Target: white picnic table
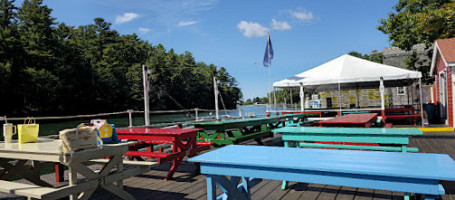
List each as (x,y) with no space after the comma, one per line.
(16,159)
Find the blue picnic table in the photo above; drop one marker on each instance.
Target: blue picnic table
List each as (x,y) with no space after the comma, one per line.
(394,171)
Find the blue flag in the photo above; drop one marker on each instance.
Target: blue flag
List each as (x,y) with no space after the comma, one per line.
(268,53)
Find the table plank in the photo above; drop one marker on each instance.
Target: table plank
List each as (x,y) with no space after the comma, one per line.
(359,119)
(155,131)
(349,131)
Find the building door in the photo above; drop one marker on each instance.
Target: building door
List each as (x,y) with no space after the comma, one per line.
(443,95)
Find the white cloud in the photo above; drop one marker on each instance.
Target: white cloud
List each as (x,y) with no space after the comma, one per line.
(252,29)
(303,16)
(143,30)
(187,23)
(125,18)
(280,25)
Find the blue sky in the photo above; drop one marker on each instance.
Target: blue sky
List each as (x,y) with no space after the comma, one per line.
(232,33)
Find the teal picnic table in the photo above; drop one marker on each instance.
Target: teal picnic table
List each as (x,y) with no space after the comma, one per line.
(239,130)
(389,139)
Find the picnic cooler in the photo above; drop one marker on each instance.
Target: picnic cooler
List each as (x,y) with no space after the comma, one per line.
(82,137)
(28,132)
(105,131)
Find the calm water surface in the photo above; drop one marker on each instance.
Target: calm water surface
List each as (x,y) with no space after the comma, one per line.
(52,127)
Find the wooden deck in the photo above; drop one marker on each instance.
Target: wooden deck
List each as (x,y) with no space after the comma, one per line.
(189,185)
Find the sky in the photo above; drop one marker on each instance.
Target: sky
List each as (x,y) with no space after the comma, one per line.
(233,33)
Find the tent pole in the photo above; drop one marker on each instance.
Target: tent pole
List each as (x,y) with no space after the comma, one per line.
(274,100)
(339,98)
(357,95)
(302,98)
(421,102)
(290,95)
(381,90)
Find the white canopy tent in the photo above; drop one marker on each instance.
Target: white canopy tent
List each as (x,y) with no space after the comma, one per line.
(350,72)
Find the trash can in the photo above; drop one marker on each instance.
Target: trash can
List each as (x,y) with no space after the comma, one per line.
(431,112)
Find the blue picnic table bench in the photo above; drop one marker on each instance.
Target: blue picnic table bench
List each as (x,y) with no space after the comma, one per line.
(394,171)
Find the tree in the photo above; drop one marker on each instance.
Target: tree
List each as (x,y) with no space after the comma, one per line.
(51,68)
(437,23)
(419,21)
(375,56)
(414,63)
(11,57)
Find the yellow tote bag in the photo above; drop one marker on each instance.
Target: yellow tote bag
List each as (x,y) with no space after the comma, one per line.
(28,132)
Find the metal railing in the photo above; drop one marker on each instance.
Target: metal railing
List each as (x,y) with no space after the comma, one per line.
(195,118)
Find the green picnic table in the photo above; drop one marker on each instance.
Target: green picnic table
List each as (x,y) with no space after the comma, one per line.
(295,119)
(239,130)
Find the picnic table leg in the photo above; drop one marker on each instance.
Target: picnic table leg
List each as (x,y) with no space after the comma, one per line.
(284,184)
(429,197)
(230,187)
(406,196)
(20,169)
(72,181)
(59,173)
(404,148)
(211,188)
(120,170)
(176,162)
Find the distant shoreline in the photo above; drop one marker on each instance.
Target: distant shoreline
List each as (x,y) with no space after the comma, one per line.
(254,105)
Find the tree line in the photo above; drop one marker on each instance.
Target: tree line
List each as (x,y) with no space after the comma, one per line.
(48,67)
(283,95)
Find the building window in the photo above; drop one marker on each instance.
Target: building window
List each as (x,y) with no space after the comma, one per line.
(401,90)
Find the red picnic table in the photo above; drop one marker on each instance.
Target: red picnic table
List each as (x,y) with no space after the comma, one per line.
(183,143)
(351,120)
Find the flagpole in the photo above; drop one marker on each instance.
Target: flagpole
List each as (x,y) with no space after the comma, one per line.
(270,90)
(267,63)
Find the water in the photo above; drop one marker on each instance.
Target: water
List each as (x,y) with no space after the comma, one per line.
(52,127)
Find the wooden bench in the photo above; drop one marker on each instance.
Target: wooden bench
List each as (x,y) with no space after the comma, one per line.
(27,190)
(126,162)
(233,170)
(402,116)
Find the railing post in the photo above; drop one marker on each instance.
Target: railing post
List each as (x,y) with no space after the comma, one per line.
(130,117)
(196,113)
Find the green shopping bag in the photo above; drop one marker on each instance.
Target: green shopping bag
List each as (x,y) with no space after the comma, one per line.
(28,132)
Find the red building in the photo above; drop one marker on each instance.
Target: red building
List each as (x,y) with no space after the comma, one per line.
(443,68)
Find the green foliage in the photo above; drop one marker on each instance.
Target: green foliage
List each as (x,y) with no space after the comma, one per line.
(414,63)
(419,21)
(375,56)
(51,68)
(281,96)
